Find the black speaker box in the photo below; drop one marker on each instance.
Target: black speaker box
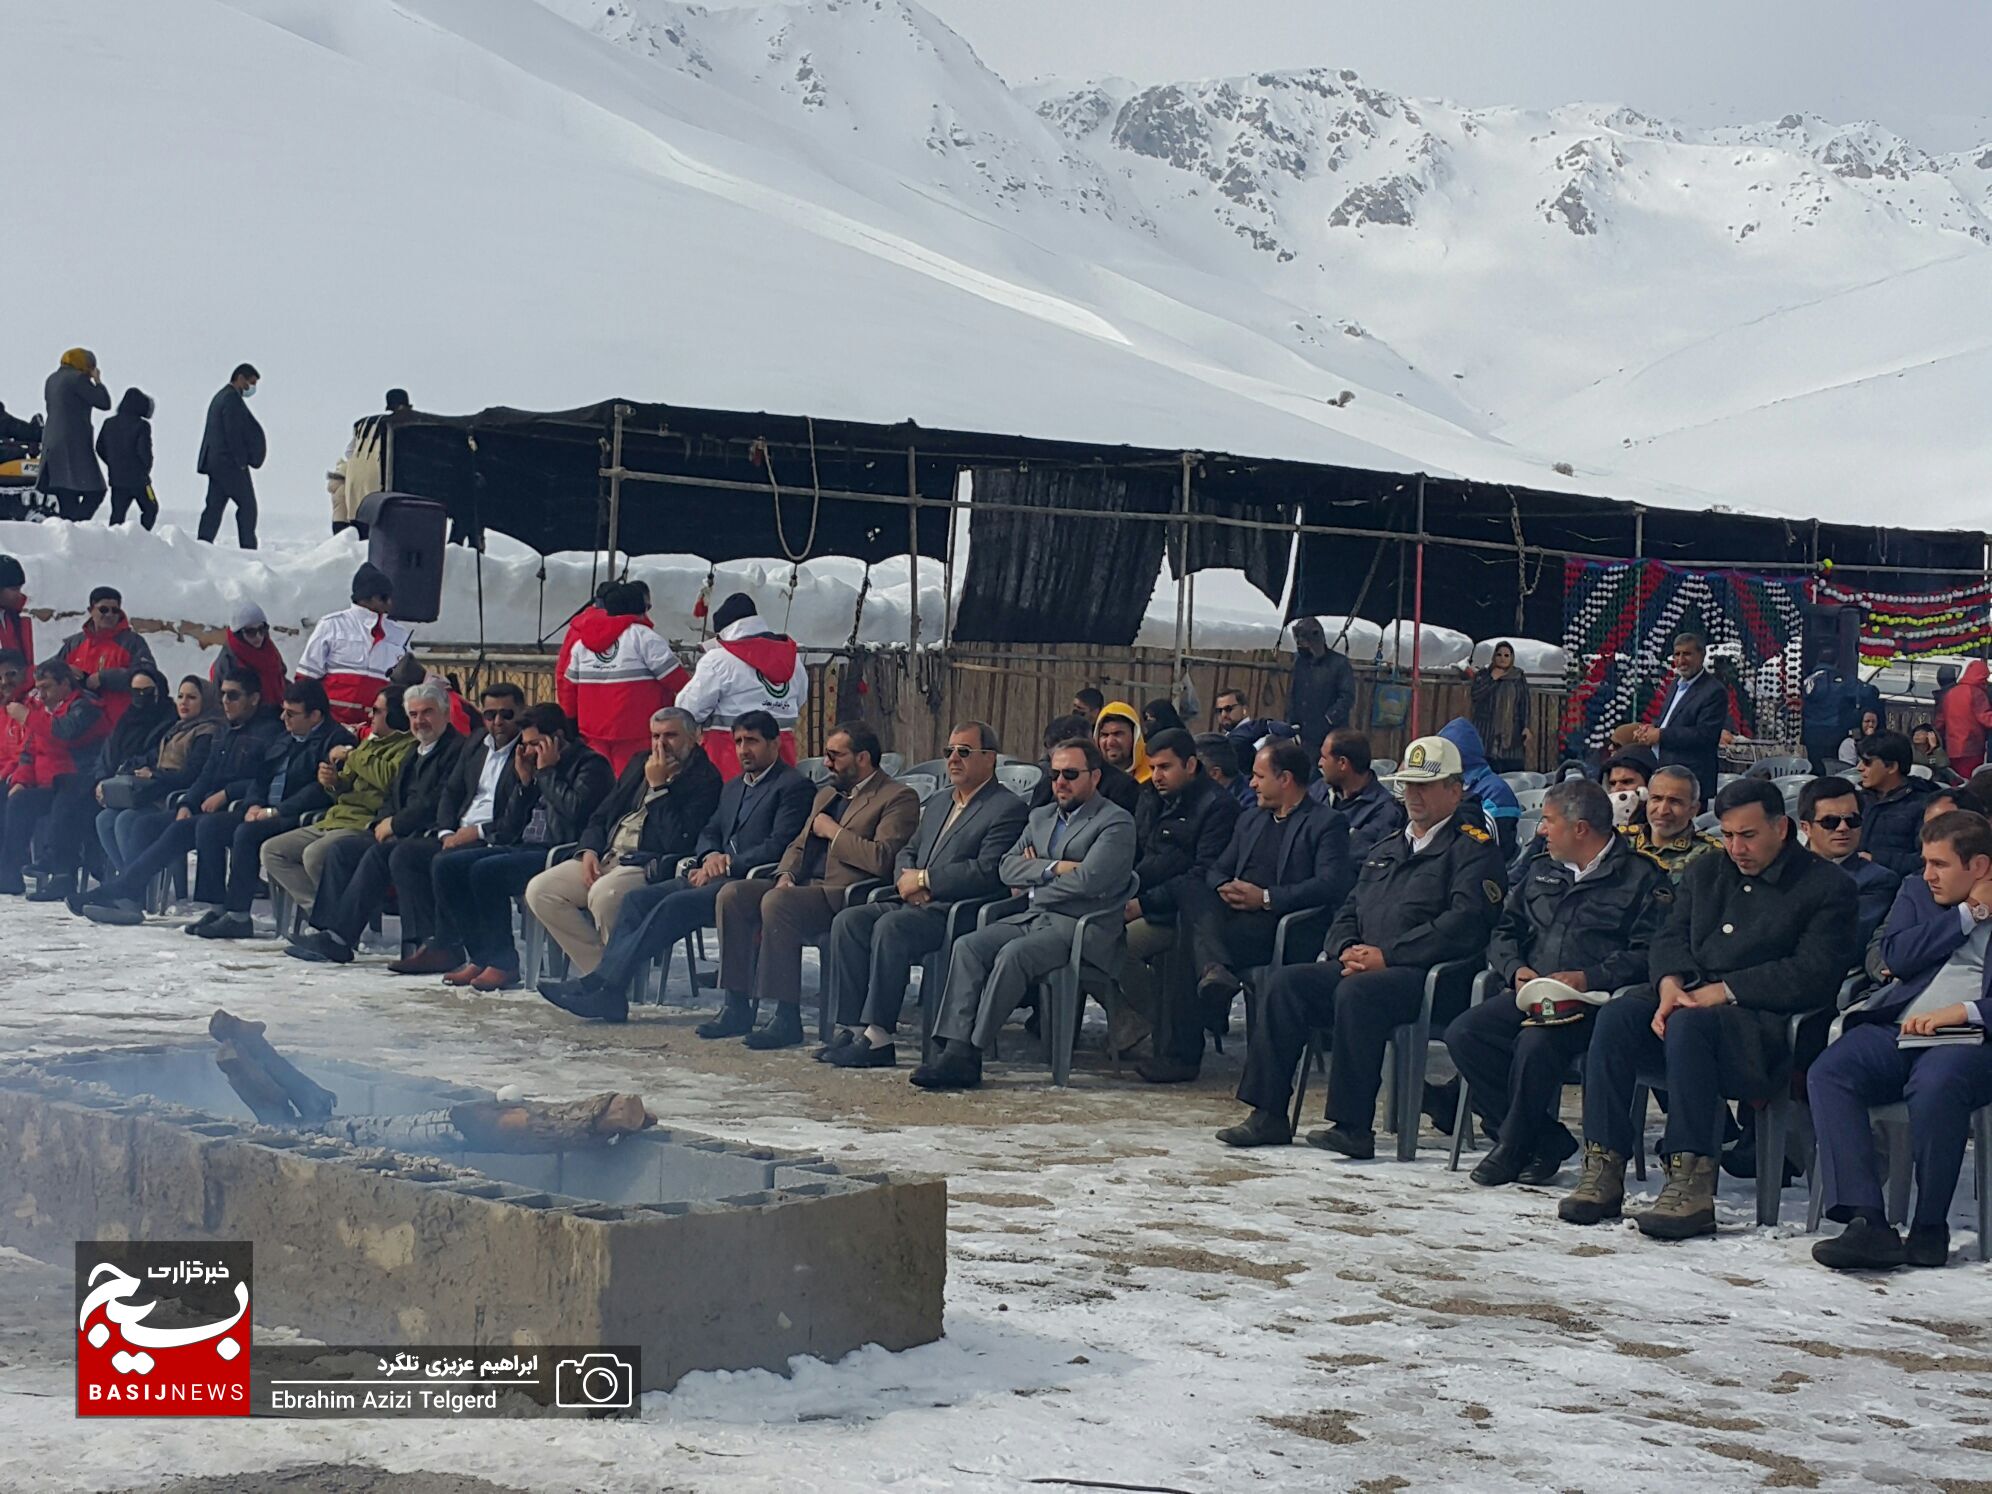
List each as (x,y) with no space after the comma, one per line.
(405,537)
(1833,635)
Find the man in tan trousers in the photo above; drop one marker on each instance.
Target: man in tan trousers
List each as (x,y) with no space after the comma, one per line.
(859,822)
(650,819)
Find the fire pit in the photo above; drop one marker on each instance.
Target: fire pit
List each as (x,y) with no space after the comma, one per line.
(709,1254)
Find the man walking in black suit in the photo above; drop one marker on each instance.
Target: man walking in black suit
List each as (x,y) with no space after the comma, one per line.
(962,839)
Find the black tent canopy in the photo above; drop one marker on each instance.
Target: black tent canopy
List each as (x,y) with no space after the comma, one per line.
(1063,535)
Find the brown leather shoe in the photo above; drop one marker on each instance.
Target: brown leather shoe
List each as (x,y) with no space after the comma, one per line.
(491,978)
(463,975)
(428,960)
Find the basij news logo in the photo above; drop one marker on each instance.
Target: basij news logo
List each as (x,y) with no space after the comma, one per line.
(162,1328)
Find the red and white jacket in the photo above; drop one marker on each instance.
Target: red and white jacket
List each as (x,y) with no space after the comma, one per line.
(621,673)
(351,652)
(54,740)
(748,667)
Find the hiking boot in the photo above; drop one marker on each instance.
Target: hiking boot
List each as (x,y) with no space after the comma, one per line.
(1260,1128)
(783,1030)
(1347,1140)
(1600,1193)
(1928,1245)
(1686,1206)
(734,1019)
(1862,1246)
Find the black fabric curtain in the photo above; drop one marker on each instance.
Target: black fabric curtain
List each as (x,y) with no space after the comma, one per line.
(1051,578)
(1262,554)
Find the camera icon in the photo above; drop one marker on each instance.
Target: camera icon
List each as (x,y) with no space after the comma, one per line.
(594,1382)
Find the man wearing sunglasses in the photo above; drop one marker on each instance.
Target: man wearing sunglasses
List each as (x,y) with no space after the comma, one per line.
(953,857)
(1829,816)
(1075,857)
(106,651)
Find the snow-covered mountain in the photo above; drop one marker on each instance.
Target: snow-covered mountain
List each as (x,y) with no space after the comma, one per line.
(835,206)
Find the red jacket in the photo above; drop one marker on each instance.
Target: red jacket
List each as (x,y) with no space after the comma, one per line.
(17,630)
(13,737)
(621,672)
(56,738)
(112,657)
(1965,715)
(565,695)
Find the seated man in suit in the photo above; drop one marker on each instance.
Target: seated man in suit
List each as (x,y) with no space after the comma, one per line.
(560,782)
(858,824)
(874,946)
(1575,928)
(1182,822)
(654,813)
(1075,857)
(1935,942)
(1120,786)
(288,792)
(471,797)
(1692,720)
(759,812)
(1757,934)
(1348,784)
(1829,816)
(1287,854)
(1422,898)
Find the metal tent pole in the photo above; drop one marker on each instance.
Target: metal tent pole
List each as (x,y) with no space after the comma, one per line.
(1180,532)
(913,553)
(615,485)
(1418,609)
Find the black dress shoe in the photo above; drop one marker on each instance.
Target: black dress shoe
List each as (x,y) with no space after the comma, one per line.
(319,949)
(1440,1104)
(1550,1155)
(1350,1143)
(1164,1070)
(1861,1246)
(734,1019)
(227,926)
(53,890)
(1500,1167)
(1928,1245)
(122,913)
(1260,1128)
(587,998)
(783,1030)
(841,1039)
(864,1056)
(206,921)
(957,1066)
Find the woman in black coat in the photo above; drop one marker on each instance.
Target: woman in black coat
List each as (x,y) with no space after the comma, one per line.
(125,444)
(69,470)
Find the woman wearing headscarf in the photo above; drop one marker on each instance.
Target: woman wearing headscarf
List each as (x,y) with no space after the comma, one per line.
(172,763)
(247,648)
(69,470)
(1500,699)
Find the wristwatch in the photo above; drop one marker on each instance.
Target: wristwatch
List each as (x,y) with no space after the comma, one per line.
(925,884)
(1265,897)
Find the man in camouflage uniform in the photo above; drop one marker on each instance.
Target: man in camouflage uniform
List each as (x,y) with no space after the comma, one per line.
(1669,837)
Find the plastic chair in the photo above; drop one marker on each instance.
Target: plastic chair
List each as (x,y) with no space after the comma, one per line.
(1404,1073)
(894,763)
(926,785)
(814,769)
(962,916)
(1020,779)
(1779,767)
(1708,822)
(1531,798)
(1383,766)
(1723,780)
(1893,1123)
(1521,781)
(826,1005)
(1921,770)
(933,767)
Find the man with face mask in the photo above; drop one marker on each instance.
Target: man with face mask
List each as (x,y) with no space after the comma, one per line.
(231,445)
(1759,933)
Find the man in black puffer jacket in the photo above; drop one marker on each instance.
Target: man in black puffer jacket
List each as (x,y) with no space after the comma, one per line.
(1892,804)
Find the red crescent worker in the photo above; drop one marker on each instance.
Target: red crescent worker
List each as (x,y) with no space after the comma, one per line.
(747,667)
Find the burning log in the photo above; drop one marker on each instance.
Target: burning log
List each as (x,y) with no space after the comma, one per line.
(269,1084)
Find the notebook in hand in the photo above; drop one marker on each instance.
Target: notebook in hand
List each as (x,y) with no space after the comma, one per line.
(1943,1037)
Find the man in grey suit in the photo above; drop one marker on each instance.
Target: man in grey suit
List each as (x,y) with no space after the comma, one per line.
(956,854)
(1075,857)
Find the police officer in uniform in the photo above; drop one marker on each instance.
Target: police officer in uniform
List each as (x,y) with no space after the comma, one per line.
(1757,934)
(1669,836)
(1575,929)
(1422,898)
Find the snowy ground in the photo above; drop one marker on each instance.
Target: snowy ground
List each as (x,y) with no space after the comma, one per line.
(1127,1300)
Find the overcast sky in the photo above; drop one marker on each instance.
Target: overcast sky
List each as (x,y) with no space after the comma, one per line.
(1920,67)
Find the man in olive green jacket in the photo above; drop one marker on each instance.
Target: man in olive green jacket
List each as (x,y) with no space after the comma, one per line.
(358,779)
